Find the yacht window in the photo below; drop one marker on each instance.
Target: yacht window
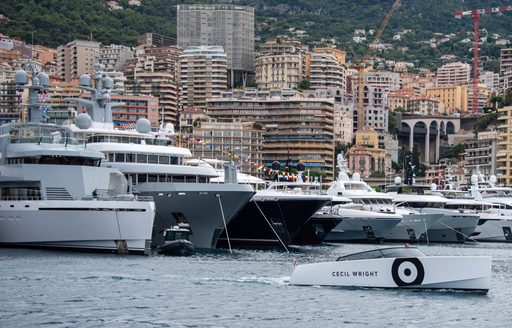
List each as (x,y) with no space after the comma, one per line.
(202,180)
(111,157)
(120,158)
(142,158)
(178,179)
(162,178)
(142,178)
(152,178)
(192,179)
(174,160)
(163,159)
(130,158)
(21,193)
(153,159)
(124,139)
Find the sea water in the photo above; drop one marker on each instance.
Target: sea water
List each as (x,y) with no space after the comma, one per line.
(243,289)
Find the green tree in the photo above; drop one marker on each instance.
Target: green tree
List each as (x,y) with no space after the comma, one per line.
(304,85)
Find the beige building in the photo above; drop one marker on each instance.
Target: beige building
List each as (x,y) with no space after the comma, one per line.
(339,54)
(296,128)
(481,154)
(504,153)
(230,140)
(325,71)
(398,98)
(454,98)
(150,59)
(203,75)
(343,123)
(281,64)
(505,60)
(425,106)
(453,74)
(160,85)
(76,58)
(114,56)
(365,157)
(190,117)
(278,71)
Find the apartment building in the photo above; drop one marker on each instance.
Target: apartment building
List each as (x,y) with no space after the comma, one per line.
(76,58)
(296,129)
(225,25)
(453,74)
(202,74)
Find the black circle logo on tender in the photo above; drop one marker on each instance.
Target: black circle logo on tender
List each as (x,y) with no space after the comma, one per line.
(407,271)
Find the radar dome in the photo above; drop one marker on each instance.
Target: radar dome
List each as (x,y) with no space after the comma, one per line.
(21,78)
(143,125)
(108,83)
(398,180)
(44,79)
(83,121)
(85,80)
(356,177)
(492,179)
(474,178)
(433,186)
(169,128)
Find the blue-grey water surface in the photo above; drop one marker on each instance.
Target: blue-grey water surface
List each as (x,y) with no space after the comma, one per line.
(217,289)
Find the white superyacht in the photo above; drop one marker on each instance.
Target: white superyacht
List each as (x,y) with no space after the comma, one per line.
(384,225)
(182,193)
(53,192)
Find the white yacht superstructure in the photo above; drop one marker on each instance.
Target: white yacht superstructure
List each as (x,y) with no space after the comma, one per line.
(411,226)
(182,193)
(451,227)
(54,194)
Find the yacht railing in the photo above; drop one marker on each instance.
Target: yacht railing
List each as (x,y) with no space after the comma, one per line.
(127,197)
(65,141)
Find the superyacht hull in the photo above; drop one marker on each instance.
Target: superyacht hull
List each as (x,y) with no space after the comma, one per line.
(205,206)
(493,229)
(362,226)
(453,227)
(316,229)
(257,224)
(88,225)
(412,227)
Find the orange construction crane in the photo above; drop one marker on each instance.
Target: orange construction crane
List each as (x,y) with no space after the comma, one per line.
(360,65)
(476,13)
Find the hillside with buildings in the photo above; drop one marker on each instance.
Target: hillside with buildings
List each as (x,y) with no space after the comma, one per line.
(278,81)
(420,32)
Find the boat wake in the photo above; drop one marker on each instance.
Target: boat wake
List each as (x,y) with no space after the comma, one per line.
(254,280)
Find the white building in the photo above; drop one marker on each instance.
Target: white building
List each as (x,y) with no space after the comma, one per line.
(453,74)
(203,75)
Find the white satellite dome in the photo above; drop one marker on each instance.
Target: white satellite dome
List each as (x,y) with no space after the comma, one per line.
(356,177)
(493,179)
(474,178)
(83,121)
(21,77)
(398,180)
(143,125)
(85,80)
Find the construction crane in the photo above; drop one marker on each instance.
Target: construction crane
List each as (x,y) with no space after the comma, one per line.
(476,13)
(360,65)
